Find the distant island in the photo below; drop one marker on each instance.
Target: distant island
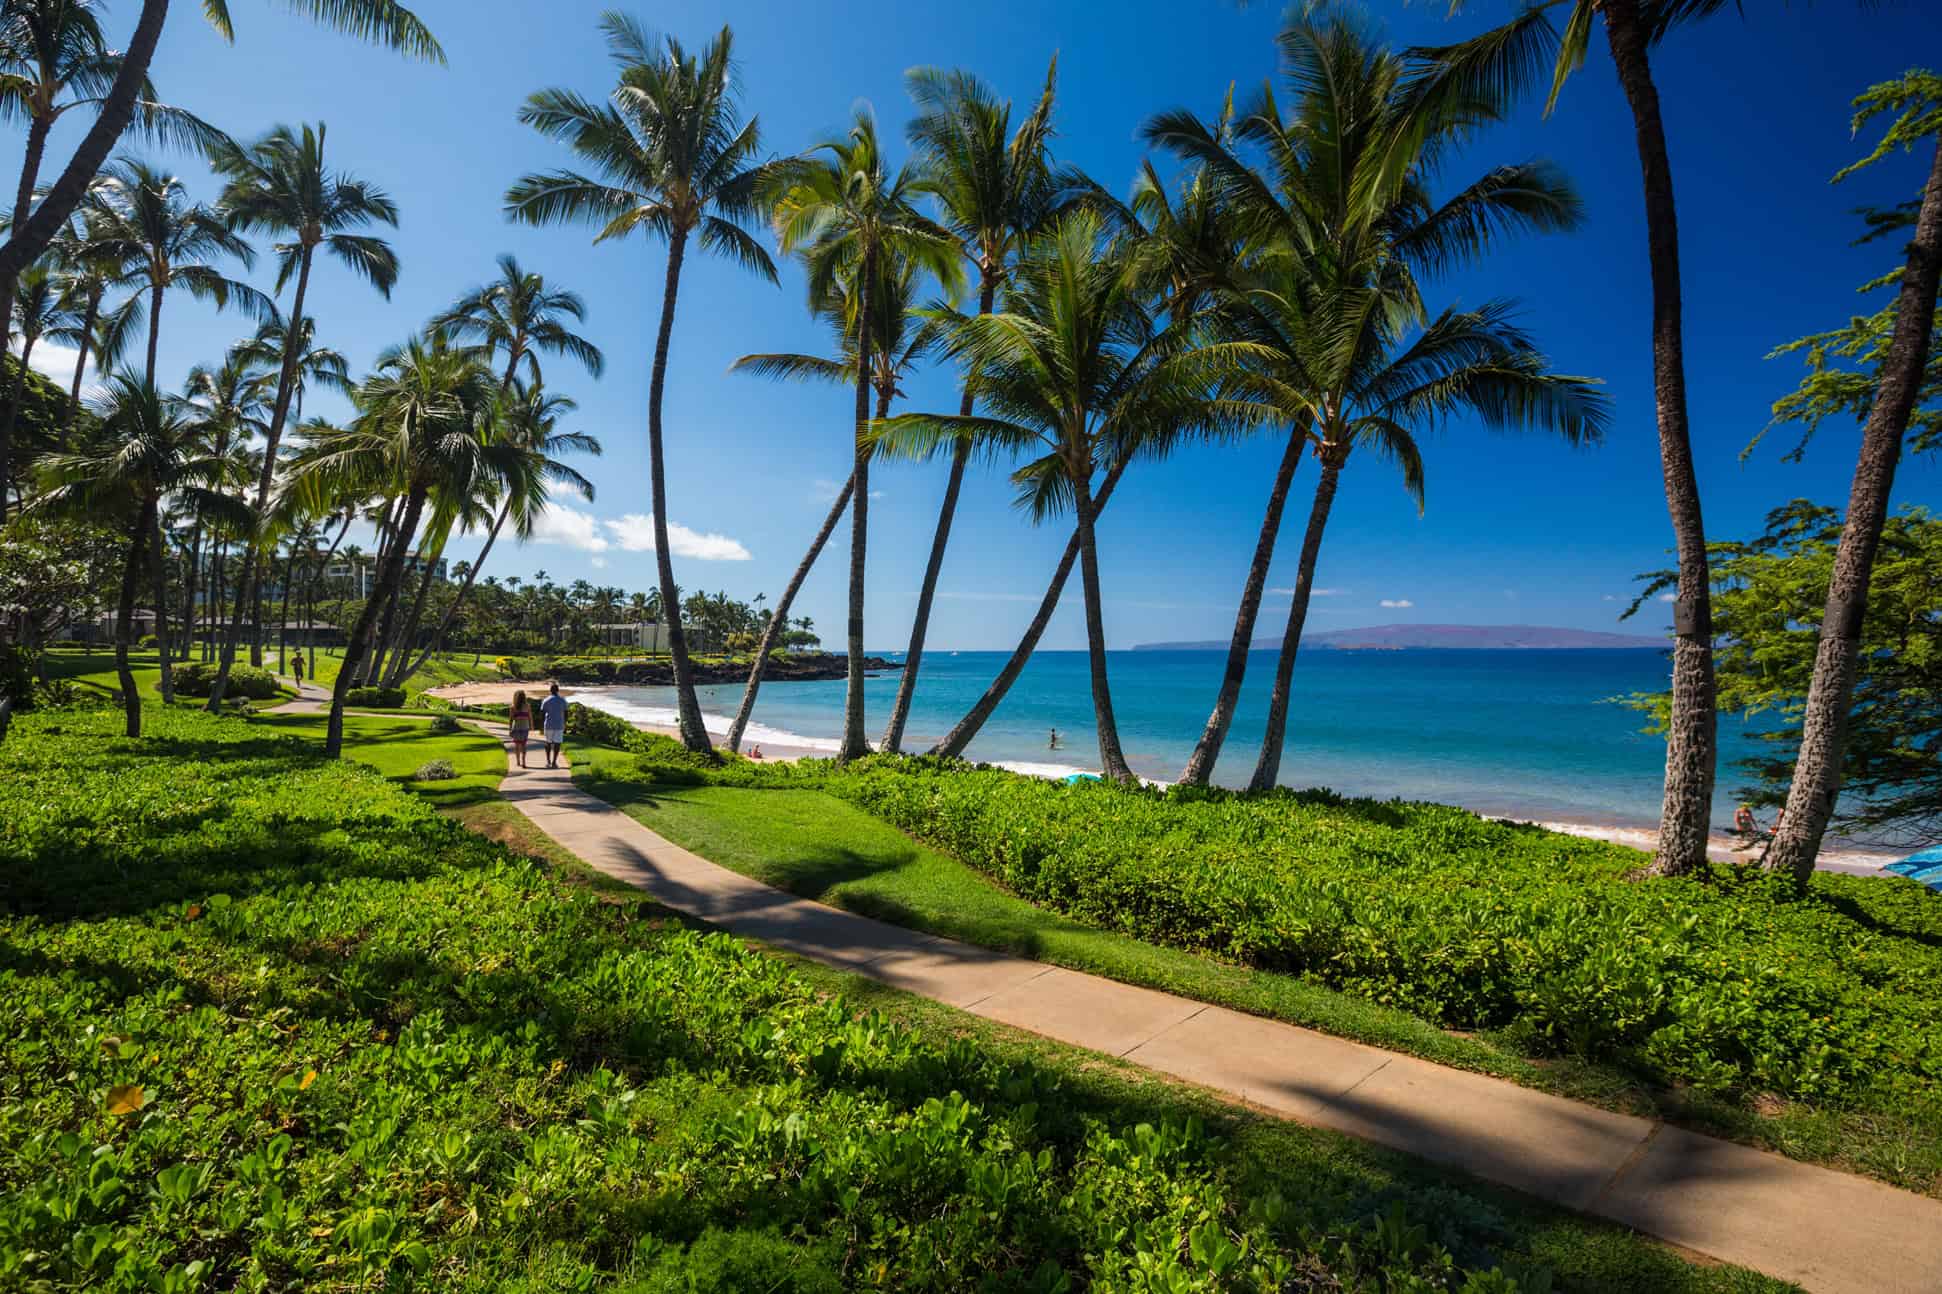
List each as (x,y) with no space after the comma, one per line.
(1400,637)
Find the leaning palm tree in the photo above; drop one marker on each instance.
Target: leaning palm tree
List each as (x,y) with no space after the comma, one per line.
(282,185)
(676,161)
(417,435)
(528,421)
(848,213)
(901,342)
(995,187)
(1078,371)
(1515,57)
(382,21)
(518,316)
(1350,357)
(146,451)
(37,309)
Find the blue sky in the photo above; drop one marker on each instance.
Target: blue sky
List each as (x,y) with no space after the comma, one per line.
(1516,530)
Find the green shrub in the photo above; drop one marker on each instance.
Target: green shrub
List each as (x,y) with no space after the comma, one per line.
(268,1021)
(435,770)
(375,698)
(1726,982)
(444,723)
(245,681)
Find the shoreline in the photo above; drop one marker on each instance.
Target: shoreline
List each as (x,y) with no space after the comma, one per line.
(779,745)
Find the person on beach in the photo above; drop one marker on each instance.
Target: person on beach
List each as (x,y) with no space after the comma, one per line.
(1744,822)
(552,724)
(520,723)
(1053,744)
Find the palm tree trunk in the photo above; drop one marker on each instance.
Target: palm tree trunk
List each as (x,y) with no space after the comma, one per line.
(131,575)
(1112,762)
(452,611)
(286,380)
(32,236)
(218,590)
(401,647)
(966,729)
(1200,765)
(1693,729)
(154,327)
(855,744)
(779,618)
(16,397)
(160,551)
(1267,769)
(375,658)
(390,573)
(893,733)
(694,734)
(37,128)
(316,578)
(283,617)
(89,318)
(189,616)
(1817,771)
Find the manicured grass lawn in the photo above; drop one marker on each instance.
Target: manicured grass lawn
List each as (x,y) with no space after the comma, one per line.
(822,847)
(446,667)
(93,672)
(398,747)
(269,1022)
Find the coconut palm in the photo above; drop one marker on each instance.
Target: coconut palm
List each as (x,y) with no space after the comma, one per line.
(317,365)
(1507,61)
(901,341)
(519,317)
(848,213)
(147,451)
(678,162)
(167,241)
(1345,225)
(89,270)
(1077,370)
(383,21)
(227,406)
(282,185)
(528,421)
(995,187)
(418,434)
(38,309)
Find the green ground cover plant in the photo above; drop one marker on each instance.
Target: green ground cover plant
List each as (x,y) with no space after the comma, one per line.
(194,679)
(1725,988)
(269,1021)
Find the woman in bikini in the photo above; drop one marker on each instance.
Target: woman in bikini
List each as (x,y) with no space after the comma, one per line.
(521,717)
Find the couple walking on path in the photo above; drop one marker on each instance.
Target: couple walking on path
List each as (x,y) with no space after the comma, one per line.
(552,727)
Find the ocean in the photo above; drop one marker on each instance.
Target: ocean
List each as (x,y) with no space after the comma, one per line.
(1532,734)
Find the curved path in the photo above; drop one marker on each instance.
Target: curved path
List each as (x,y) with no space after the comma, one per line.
(1827,1230)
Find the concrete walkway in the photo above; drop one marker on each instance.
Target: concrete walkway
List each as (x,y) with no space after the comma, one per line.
(1827,1230)
(312,698)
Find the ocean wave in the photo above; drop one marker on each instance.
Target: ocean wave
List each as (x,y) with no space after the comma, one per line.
(657,716)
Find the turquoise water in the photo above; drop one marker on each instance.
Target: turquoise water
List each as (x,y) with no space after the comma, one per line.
(1531,734)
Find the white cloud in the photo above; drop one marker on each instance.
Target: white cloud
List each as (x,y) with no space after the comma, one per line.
(1668,597)
(1313,593)
(1397,603)
(600,563)
(824,490)
(55,361)
(1610,597)
(632,533)
(974,596)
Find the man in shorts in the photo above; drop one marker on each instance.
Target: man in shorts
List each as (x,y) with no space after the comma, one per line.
(552,724)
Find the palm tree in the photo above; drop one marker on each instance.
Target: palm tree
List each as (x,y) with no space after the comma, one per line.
(147,451)
(281,185)
(678,162)
(226,406)
(383,21)
(1346,352)
(89,269)
(417,434)
(1505,61)
(148,222)
(996,188)
(847,213)
(39,309)
(1077,370)
(518,316)
(323,366)
(528,420)
(54,59)
(1817,771)
(900,344)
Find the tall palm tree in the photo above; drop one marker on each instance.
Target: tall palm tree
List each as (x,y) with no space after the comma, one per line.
(227,406)
(518,316)
(1512,58)
(847,213)
(417,434)
(1346,350)
(528,421)
(676,161)
(54,59)
(89,270)
(147,451)
(1077,370)
(38,309)
(167,241)
(995,187)
(318,365)
(901,342)
(382,21)
(282,185)
(1817,771)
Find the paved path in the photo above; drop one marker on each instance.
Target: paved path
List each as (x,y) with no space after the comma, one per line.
(312,698)
(1827,1230)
